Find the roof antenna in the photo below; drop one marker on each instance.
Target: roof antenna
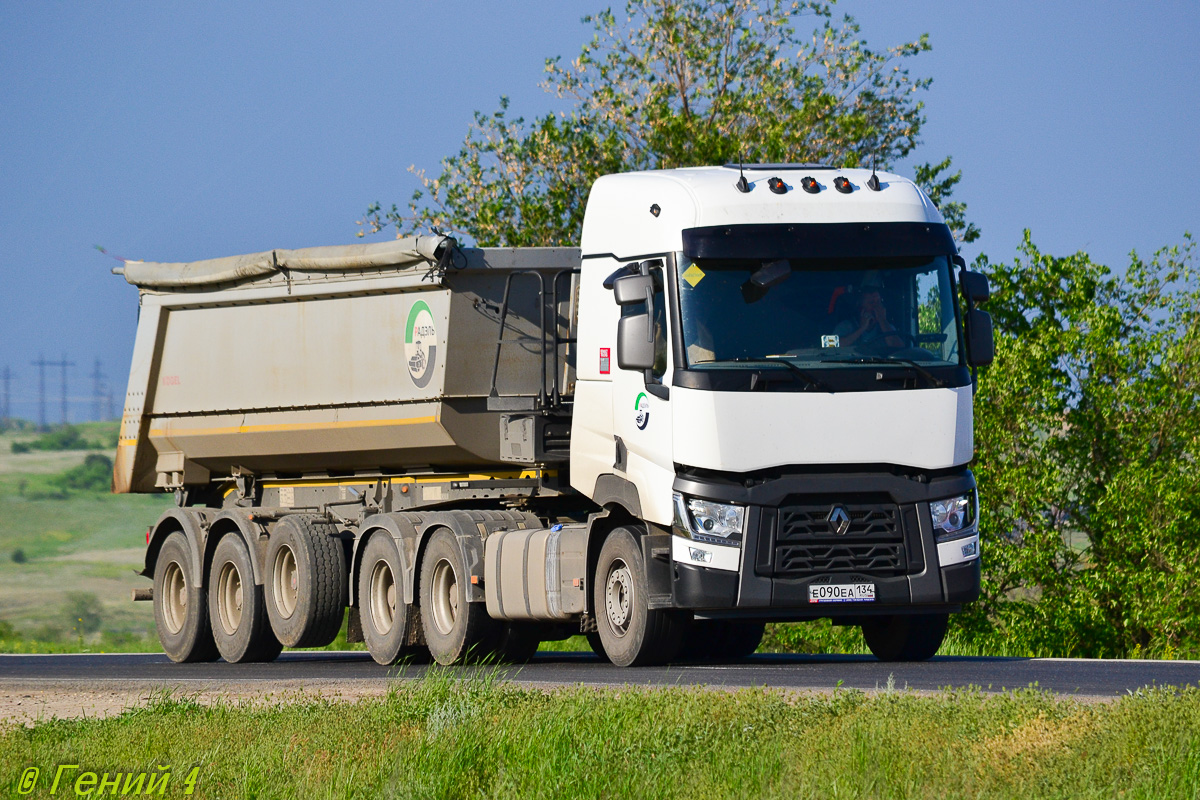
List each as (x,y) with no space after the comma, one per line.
(742,185)
(873,181)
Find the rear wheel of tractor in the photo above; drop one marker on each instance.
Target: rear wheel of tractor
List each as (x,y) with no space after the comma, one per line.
(455,629)
(306,583)
(237,607)
(906,637)
(386,619)
(518,642)
(631,633)
(180,609)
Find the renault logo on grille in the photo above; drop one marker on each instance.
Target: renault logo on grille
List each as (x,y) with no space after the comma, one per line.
(839,520)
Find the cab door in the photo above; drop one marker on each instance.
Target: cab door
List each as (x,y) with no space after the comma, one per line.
(641,397)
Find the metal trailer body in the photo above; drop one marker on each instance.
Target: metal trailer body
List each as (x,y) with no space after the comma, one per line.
(475,449)
(370,368)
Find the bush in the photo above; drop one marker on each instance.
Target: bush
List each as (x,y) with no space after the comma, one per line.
(93,475)
(18,556)
(64,437)
(85,612)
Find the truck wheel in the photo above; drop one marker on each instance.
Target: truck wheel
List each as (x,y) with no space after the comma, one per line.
(632,634)
(236,606)
(455,629)
(518,642)
(906,637)
(180,611)
(386,618)
(721,639)
(593,640)
(306,585)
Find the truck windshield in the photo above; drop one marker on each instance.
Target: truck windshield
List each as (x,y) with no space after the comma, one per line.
(818,314)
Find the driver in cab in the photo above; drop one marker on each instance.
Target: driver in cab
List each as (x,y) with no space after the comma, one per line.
(867,327)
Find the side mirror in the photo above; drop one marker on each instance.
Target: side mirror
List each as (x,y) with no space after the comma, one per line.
(975,287)
(635,341)
(981,342)
(633,289)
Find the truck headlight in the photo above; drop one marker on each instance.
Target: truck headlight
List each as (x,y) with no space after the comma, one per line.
(953,514)
(706,521)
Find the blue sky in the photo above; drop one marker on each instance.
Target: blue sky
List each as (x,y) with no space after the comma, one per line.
(172,131)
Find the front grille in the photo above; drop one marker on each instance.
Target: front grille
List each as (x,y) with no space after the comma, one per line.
(808,522)
(884,560)
(871,541)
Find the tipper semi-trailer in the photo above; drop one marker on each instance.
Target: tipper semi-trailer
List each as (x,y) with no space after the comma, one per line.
(746,397)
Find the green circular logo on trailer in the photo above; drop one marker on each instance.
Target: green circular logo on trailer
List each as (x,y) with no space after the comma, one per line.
(420,343)
(641,410)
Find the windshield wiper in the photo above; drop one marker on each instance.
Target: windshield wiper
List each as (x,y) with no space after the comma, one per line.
(924,373)
(810,381)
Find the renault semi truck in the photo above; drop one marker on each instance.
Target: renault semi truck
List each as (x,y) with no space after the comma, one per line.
(745,397)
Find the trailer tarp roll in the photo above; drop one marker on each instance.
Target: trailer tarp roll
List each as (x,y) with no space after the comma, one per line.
(399,252)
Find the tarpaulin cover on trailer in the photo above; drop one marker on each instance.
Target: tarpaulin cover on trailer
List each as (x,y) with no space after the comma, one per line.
(399,252)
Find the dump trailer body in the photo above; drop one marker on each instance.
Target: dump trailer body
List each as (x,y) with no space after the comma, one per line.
(375,358)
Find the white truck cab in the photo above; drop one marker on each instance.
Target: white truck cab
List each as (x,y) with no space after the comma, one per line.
(775,372)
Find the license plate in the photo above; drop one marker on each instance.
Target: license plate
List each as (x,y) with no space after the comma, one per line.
(841,593)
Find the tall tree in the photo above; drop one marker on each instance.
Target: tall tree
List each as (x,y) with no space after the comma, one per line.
(677,83)
(1087,439)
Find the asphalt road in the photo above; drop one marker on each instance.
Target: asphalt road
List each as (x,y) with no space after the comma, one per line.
(1063,676)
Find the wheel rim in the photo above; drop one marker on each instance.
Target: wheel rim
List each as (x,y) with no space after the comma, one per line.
(383,598)
(618,597)
(444,597)
(174,601)
(287,582)
(229,599)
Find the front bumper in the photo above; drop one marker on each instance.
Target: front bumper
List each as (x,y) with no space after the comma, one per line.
(787,547)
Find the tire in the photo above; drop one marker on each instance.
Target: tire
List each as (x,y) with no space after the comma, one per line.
(455,630)
(518,642)
(387,620)
(593,639)
(180,610)
(720,640)
(237,608)
(305,582)
(906,637)
(632,634)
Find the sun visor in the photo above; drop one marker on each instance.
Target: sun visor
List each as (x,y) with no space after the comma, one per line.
(819,240)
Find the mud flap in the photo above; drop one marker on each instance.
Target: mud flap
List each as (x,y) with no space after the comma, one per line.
(656,553)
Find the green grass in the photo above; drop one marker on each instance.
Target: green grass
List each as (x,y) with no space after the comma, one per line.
(85,542)
(443,737)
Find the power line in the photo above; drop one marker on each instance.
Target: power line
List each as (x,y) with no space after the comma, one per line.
(64,364)
(99,390)
(6,410)
(41,364)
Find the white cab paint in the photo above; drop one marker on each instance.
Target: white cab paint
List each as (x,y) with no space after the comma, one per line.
(744,431)
(926,429)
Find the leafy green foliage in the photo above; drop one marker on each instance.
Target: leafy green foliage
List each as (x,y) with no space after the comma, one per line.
(93,475)
(84,612)
(678,83)
(1087,439)
(64,437)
